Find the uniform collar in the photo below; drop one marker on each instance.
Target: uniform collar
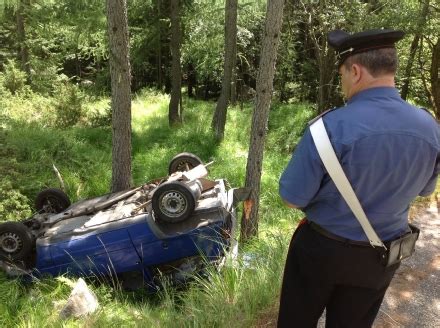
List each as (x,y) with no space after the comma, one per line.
(373,93)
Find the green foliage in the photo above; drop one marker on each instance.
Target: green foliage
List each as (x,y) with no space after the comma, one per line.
(52,121)
(205,40)
(227,298)
(45,77)
(29,107)
(232,297)
(287,124)
(82,155)
(100,118)
(13,204)
(69,37)
(3,91)
(13,79)
(69,104)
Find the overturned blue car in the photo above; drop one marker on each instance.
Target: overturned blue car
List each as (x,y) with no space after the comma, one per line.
(166,227)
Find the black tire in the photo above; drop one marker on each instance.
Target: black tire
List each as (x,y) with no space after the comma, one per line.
(173,202)
(52,200)
(183,162)
(16,241)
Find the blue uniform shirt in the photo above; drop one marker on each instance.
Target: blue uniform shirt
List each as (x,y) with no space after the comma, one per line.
(390,152)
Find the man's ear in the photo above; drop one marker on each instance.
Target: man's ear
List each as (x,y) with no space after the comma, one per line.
(356,73)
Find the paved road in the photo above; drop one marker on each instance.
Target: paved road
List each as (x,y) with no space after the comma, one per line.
(413,299)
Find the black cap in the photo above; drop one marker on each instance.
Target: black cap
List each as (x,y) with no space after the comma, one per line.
(347,44)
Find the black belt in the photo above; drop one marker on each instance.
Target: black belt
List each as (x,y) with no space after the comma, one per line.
(332,236)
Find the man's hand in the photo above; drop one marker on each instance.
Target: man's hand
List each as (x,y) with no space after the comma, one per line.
(290,204)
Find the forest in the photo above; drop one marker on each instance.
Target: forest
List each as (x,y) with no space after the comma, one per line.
(47,45)
(184,75)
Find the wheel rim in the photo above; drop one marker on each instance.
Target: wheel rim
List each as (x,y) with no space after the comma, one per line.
(184,166)
(51,205)
(173,203)
(10,243)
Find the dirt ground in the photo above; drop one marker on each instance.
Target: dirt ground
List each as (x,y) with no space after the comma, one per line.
(413,299)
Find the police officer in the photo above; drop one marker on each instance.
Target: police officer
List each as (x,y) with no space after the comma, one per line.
(390,152)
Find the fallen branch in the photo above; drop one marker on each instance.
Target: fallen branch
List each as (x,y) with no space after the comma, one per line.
(60,179)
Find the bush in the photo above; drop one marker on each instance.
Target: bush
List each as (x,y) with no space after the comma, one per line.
(151,95)
(13,205)
(3,91)
(69,104)
(45,77)
(99,118)
(13,79)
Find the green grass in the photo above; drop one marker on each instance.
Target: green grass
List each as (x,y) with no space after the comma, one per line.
(234,297)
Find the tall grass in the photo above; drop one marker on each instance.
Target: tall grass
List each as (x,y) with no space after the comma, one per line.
(232,297)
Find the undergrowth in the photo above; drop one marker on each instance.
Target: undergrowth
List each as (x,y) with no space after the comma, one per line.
(32,143)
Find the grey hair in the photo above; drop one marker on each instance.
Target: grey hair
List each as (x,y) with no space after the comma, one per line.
(378,61)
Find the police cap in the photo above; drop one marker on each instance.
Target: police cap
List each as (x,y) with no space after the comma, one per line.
(346,44)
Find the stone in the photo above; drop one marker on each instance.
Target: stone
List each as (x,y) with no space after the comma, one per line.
(82,301)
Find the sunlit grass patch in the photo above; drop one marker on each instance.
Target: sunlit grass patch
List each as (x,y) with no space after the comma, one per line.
(82,154)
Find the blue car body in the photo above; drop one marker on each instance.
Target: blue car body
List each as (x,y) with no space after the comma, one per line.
(138,248)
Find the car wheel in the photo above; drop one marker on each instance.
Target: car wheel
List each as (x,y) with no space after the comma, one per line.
(183,162)
(52,201)
(173,202)
(16,241)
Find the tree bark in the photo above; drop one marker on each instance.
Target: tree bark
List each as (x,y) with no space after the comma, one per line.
(435,78)
(325,59)
(219,118)
(326,62)
(266,72)
(408,68)
(21,36)
(234,75)
(175,110)
(159,82)
(413,49)
(121,94)
(192,80)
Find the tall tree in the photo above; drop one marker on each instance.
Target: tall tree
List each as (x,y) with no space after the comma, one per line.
(435,78)
(219,118)
(21,36)
(421,22)
(318,24)
(175,106)
(117,27)
(157,4)
(266,72)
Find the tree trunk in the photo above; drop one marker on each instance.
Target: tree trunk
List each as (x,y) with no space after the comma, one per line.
(219,119)
(192,80)
(326,61)
(21,36)
(413,49)
(266,72)
(234,76)
(408,68)
(175,110)
(325,58)
(121,101)
(435,78)
(158,47)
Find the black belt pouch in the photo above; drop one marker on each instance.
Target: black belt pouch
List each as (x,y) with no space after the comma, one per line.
(402,247)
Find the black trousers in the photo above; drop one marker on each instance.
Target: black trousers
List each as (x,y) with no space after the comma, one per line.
(320,273)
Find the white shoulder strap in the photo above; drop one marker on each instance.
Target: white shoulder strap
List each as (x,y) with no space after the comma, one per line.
(334,169)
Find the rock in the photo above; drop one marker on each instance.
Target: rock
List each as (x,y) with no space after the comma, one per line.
(82,301)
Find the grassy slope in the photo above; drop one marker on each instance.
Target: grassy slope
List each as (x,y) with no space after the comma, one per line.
(83,156)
